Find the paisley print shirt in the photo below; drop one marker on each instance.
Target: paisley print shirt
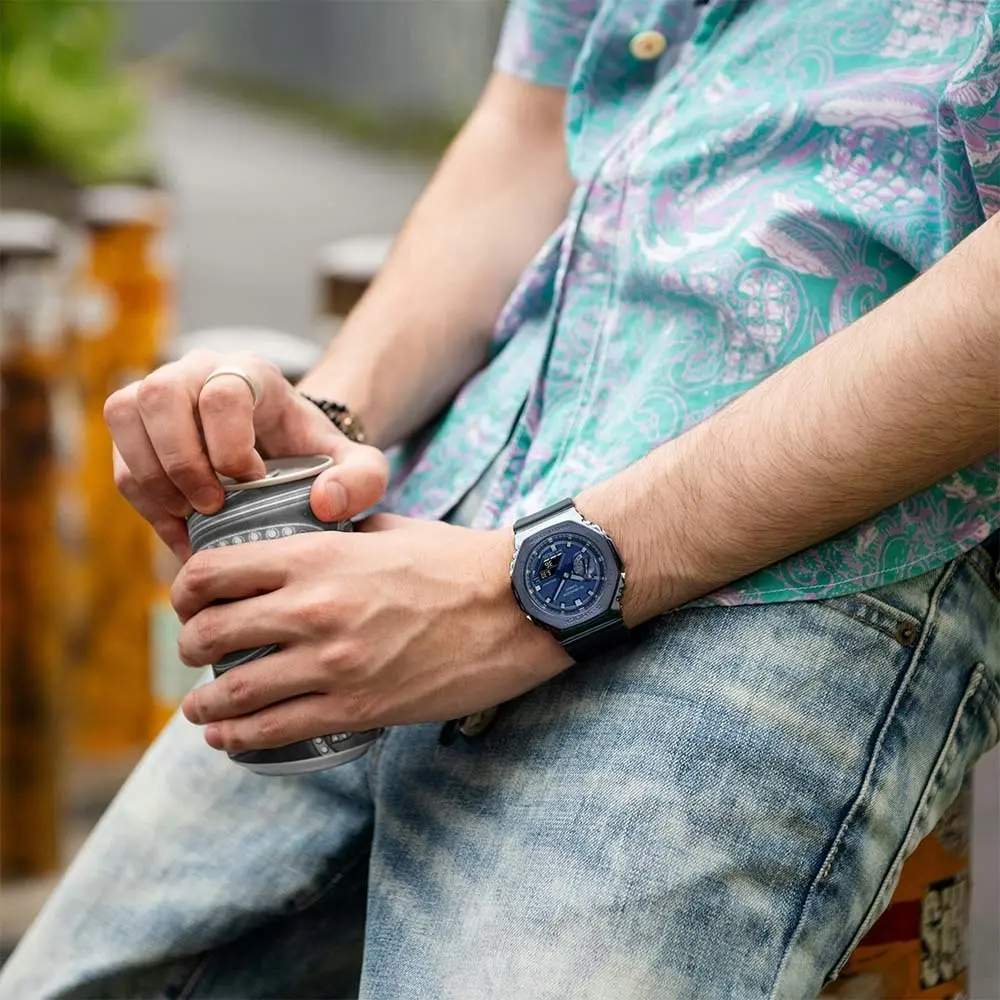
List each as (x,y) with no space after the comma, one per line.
(753,175)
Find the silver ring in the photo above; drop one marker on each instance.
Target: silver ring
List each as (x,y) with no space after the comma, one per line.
(251,383)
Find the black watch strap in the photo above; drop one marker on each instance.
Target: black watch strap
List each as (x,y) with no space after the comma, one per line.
(540,515)
(608,634)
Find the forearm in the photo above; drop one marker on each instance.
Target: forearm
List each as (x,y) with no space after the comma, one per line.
(892,404)
(424,326)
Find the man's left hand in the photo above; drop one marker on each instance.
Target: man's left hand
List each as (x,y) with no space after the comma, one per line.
(400,622)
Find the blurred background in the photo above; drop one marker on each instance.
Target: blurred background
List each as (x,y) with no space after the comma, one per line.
(175,172)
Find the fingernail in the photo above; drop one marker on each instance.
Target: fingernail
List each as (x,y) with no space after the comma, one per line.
(190,710)
(337,496)
(206,500)
(213,737)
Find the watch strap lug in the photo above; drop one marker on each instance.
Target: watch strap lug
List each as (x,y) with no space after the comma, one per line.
(559,507)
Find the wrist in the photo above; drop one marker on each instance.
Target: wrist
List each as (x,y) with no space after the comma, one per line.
(525,644)
(659,574)
(350,387)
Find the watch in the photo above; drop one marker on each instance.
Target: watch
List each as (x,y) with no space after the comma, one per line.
(568,578)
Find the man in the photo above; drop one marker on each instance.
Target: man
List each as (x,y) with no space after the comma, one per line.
(687,199)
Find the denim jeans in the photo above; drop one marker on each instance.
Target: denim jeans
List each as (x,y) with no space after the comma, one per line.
(713,813)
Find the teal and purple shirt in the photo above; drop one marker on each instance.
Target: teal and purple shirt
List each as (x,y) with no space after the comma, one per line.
(752,176)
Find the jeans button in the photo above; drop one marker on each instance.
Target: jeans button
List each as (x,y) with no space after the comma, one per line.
(477,723)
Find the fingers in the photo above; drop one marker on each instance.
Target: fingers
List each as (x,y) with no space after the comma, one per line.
(170,528)
(354,484)
(137,465)
(165,404)
(248,688)
(251,623)
(175,432)
(301,718)
(226,408)
(229,574)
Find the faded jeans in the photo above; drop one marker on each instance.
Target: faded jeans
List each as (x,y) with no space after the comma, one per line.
(714,813)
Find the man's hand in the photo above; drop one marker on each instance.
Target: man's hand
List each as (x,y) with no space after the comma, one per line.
(173,432)
(404,621)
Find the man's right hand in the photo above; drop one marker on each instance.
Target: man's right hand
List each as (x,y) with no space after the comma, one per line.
(173,432)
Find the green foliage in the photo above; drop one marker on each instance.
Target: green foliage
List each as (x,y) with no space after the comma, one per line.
(64,104)
(405,134)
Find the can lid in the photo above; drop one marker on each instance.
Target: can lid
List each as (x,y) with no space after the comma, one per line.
(281,470)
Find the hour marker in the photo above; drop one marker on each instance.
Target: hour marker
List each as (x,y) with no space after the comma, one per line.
(578,602)
(548,600)
(538,586)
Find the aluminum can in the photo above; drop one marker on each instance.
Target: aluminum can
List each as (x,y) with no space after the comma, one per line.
(275,506)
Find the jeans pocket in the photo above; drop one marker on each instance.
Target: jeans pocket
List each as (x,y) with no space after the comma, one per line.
(974,729)
(879,611)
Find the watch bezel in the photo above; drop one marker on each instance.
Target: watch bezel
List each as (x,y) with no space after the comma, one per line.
(607,601)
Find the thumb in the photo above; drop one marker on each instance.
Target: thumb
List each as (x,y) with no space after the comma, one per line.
(356,482)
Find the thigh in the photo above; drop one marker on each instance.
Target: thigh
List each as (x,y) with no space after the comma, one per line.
(712,813)
(204,880)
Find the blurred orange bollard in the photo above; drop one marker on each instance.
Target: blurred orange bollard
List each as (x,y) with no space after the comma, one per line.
(121,321)
(171,679)
(918,948)
(31,341)
(346,268)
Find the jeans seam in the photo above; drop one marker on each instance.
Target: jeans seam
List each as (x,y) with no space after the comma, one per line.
(866,780)
(974,691)
(887,722)
(982,571)
(195,976)
(897,616)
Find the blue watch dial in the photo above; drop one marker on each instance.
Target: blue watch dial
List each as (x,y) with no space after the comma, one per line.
(564,574)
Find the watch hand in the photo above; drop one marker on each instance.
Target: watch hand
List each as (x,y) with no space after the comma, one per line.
(573,576)
(562,583)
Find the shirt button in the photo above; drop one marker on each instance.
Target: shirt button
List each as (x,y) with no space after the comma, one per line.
(647,45)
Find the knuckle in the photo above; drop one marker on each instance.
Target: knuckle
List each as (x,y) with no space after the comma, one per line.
(180,464)
(200,573)
(119,405)
(219,396)
(148,482)
(233,740)
(239,690)
(314,613)
(272,730)
(125,481)
(205,633)
(358,708)
(154,391)
(347,657)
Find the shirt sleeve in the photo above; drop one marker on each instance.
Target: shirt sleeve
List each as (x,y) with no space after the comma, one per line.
(541,39)
(970,128)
